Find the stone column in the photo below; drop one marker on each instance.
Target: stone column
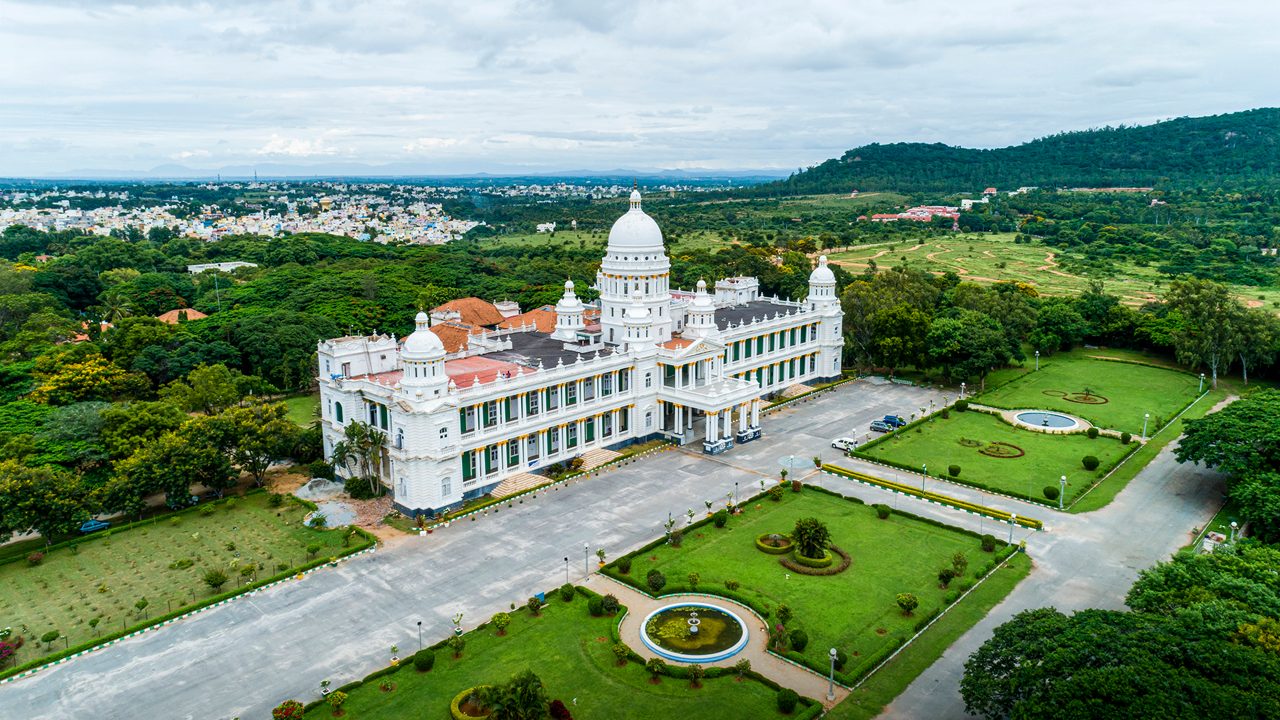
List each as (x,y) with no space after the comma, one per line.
(713,425)
(742,417)
(727,430)
(755,413)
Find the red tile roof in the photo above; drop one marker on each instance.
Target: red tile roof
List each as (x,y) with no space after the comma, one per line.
(453,335)
(543,318)
(173,317)
(677,343)
(472,311)
(464,371)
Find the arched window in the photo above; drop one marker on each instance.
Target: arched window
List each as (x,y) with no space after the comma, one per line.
(337,412)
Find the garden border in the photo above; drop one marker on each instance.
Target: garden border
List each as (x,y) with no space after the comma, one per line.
(930,496)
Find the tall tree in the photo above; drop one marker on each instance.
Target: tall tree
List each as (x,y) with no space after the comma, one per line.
(361,444)
(46,499)
(1259,340)
(1211,334)
(254,436)
(207,389)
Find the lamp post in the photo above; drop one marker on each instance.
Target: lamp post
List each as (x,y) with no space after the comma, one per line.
(831,680)
(419,634)
(566,569)
(1013,520)
(1201,383)
(586,558)
(1062,490)
(924,473)
(1037,360)
(1145,418)
(961,389)
(1234,526)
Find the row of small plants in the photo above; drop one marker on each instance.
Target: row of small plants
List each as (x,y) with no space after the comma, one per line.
(930,495)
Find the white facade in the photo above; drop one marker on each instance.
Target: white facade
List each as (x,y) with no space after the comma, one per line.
(515,401)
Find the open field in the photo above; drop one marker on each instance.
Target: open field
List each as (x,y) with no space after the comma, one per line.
(996,258)
(958,440)
(303,410)
(103,577)
(854,611)
(1129,390)
(570,652)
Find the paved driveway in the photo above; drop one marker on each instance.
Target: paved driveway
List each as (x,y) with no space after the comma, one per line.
(243,658)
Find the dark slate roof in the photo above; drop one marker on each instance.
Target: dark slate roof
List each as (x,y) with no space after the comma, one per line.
(527,348)
(749,312)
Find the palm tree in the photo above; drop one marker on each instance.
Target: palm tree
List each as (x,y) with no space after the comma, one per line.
(521,698)
(115,307)
(362,444)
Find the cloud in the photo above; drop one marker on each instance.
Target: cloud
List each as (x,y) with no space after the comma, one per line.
(296,147)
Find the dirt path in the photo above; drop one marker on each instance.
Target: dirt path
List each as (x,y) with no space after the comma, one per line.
(1051,265)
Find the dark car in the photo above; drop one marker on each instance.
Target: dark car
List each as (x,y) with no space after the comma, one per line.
(881,426)
(894,421)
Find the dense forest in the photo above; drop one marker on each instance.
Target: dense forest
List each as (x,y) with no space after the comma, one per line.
(1232,150)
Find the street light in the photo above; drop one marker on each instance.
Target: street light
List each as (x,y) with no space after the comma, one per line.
(924,473)
(566,569)
(419,634)
(1037,360)
(1145,418)
(961,389)
(1201,383)
(586,561)
(1013,520)
(1234,527)
(1062,490)
(831,680)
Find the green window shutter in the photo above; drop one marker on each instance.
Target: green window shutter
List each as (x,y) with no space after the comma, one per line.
(468,466)
(462,419)
(590,427)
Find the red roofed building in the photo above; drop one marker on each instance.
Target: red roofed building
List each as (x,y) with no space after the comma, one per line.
(469,310)
(173,317)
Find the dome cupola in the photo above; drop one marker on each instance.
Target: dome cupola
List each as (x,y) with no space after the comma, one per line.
(422,344)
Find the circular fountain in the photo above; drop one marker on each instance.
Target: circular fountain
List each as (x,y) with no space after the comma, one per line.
(694,633)
(1042,419)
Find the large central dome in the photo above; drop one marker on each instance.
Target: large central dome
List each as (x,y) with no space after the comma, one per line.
(635,231)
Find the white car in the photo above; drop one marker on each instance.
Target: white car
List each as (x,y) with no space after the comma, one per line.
(844,444)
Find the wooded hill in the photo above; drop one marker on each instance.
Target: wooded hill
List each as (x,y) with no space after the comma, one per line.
(1233,150)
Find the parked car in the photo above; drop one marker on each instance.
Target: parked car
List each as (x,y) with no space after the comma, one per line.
(894,421)
(89,526)
(881,426)
(844,443)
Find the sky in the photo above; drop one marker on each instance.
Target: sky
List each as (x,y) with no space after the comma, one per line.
(310,86)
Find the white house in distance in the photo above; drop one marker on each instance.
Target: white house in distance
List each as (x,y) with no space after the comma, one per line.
(644,362)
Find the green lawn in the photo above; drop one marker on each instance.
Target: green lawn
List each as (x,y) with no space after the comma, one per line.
(1129,390)
(104,577)
(571,652)
(303,409)
(940,443)
(855,610)
(869,699)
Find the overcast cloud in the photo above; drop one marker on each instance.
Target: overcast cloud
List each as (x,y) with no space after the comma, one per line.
(532,85)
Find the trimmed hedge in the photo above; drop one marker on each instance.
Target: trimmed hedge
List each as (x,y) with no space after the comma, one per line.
(822,562)
(929,495)
(458,700)
(762,547)
(830,569)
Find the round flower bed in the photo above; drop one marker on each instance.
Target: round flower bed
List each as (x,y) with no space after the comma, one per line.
(464,708)
(1082,398)
(1002,450)
(774,543)
(831,567)
(824,561)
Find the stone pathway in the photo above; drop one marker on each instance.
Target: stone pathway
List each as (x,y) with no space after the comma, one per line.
(803,680)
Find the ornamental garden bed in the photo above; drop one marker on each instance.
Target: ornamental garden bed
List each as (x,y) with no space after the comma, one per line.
(995,455)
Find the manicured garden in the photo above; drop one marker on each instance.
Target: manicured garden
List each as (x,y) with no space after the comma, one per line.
(1108,393)
(995,455)
(87,589)
(572,653)
(855,610)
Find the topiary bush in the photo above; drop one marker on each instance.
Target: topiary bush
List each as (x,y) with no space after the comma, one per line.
(720,518)
(655,580)
(1050,492)
(962,405)
(35,558)
(841,658)
(1125,438)
(799,639)
(775,493)
(288,710)
(907,602)
(1092,433)
(566,592)
(595,605)
(787,699)
(953,470)
(534,605)
(610,604)
(988,543)
(624,565)
(1090,462)
(883,511)
(558,711)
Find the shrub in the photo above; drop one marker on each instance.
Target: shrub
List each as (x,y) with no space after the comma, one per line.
(276,500)
(1090,462)
(610,604)
(312,549)
(742,667)
(424,660)
(799,639)
(817,461)
(335,700)
(655,580)
(953,470)
(960,563)
(946,413)
(624,565)
(787,699)
(358,488)
(287,710)
(732,585)
(694,578)
(908,602)
(945,575)
(534,605)
(720,518)
(1125,438)
(775,493)
(206,511)
(35,558)
(1092,433)
(215,578)
(566,592)
(841,658)
(1050,492)
(501,621)
(676,538)
(457,644)
(796,486)
(882,511)
(988,543)
(811,537)
(49,637)
(962,405)
(696,673)
(595,605)
(621,652)
(231,503)
(784,614)
(656,666)
(559,711)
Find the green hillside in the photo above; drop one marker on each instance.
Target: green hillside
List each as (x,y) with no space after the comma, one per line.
(1237,150)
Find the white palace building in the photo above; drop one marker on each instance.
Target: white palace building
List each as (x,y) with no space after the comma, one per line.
(644,362)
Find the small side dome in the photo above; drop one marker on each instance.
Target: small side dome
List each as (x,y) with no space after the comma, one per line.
(422,344)
(822,273)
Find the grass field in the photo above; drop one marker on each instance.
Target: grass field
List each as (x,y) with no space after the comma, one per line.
(957,440)
(303,409)
(869,699)
(1130,390)
(855,610)
(996,258)
(103,577)
(571,653)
